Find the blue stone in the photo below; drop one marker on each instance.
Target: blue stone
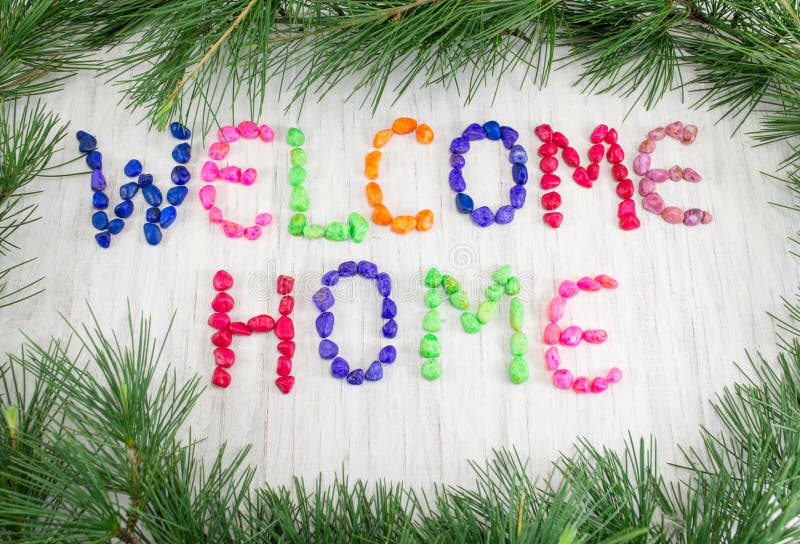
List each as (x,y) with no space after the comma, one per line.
(180,175)
(100,220)
(330,278)
(518,194)
(492,129)
(483,216)
(145,180)
(124,209)
(103,239)
(94,160)
(517,155)
(100,200)
(509,136)
(374,372)
(98,180)
(128,190)
(459,145)
(115,226)
(133,168)
(182,153)
(152,215)
(152,234)
(339,368)
(474,132)
(175,195)
(324,324)
(504,215)
(464,203)
(456,181)
(387,355)
(388,308)
(179,131)
(323,299)
(152,195)
(384,284)
(367,269)
(168,216)
(347,269)
(328,349)
(86,142)
(356,377)
(457,161)
(389,328)
(520,173)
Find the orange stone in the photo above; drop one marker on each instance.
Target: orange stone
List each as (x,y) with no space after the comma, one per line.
(381,137)
(403,224)
(381,215)
(371,164)
(424,134)
(374,194)
(404,125)
(424,220)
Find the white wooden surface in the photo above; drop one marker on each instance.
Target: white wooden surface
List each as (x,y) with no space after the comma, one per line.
(690,300)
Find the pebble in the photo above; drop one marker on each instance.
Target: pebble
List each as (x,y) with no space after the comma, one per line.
(626,207)
(124,209)
(629,222)
(284,328)
(207,195)
(232,174)
(552,332)
(509,137)
(221,378)
(625,189)
(657,134)
(374,372)
(517,196)
(133,168)
(179,131)
(128,190)
(474,132)
(615,154)
(248,176)
(228,134)
(433,278)
(552,358)
(581,384)
(517,155)
(261,323)
(457,161)
(571,336)
(672,215)
(232,229)
(581,177)
(182,153)
(607,281)
(145,180)
(103,239)
(646,186)
(86,142)
(647,146)
(253,232)
(337,232)
(263,219)
(589,284)
(239,329)
(328,349)
(548,165)
(692,217)
(675,130)
(404,125)
(298,200)
(464,203)
(152,233)
(470,323)
(224,357)
(284,367)
(388,308)
(456,181)
(595,336)
(641,164)
(504,215)
(562,378)
(560,140)
(598,134)
(217,151)
(432,322)
(98,180)
(598,385)
(657,175)
(692,176)
(248,129)
(653,203)
(100,220)
(459,145)
(100,200)
(614,375)
(383,282)
(619,171)
(339,368)
(115,226)
(553,219)
(219,320)
(266,133)
(152,195)
(389,328)
(222,281)
(431,370)
(518,370)
(323,299)
(423,220)
(94,160)
(519,173)
(544,132)
(356,377)
(483,216)
(689,134)
(180,175)
(285,384)
(549,181)
(296,224)
(675,173)
(568,289)
(556,308)
(152,215)
(387,354)
(429,346)
(519,343)
(492,130)
(176,195)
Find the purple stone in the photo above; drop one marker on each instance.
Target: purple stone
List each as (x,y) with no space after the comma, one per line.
(504,215)
(483,216)
(384,284)
(456,181)
(389,328)
(457,161)
(339,368)
(347,269)
(517,155)
(328,349)
(692,217)
(356,377)
(324,324)
(509,136)
(367,269)
(98,180)
(474,132)
(387,355)
(330,278)
(388,308)
(518,194)
(459,145)
(374,372)
(323,299)
(520,174)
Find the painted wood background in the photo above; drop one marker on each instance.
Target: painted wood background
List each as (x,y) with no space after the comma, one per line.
(690,301)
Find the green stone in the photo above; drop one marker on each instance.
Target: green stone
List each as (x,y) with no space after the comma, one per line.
(432,322)
(519,343)
(299,201)
(494,292)
(312,232)
(451,284)
(460,300)
(513,286)
(517,314)
(337,232)
(297,175)
(433,278)
(429,346)
(486,310)
(518,370)
(296,224)
(502,274)
(470,323)
(358,227)
(433,298)
(295,137)
(298,157)
(431,370)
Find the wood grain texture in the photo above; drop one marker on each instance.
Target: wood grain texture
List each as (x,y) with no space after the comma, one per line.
(690,300)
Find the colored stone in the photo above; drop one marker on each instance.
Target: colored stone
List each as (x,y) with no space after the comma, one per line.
(295,137)
(404,125)
(403,224)
(456,181)
(144,180)
(653,203)
(224,357)
(690,175)
(595,336)
(494,292)
(152,215)
(232,229)
(424,220)
(513,286)
(432,322)
(457,161)
(560,140)
(124,209)
(459,145)
(464,203)
(433,278)
(519,343)
(348,269)
(589,284)
(261,323)
(486,311)
(519,173)
(152,233)
(100,220)
(544,132)
(284,284)
(299,201)
(692,217)
(180,175)
(249,176)
(313,232)
(297,175)
(98,180)
(253,232)
(657,134)
(434,298)
(207,196)
(568,289)
(284,367)
(383,282)
(552,332)
(284,328)
(220,377)
(641,164)
(626,207)
(556,308)
(646,186)
(429,346)
(571,157)
(450,284)
(553,219)
(504,215)
(474,132)
(483,216)
(263,219)
(86,142)
(328,349)
(518,370)
(284,384)
(552,358)
(571,336)
(517,155)
(672,214)
(179,131)
(266,133)
(358,227)
(459,300)
(598,134)
(217,151)
(339,368)
(614,375)
(323,299)
(374,372)
(381,215)
(431,370)
(103,239)
(562,378)
(100,200)
(286,305)
(388,308)
(296,224)
(330,278)
(389,329)
(517,314)
(549,181)
(182,153)
(492,130)
(581,384)
(222,339)
(674,130)
(470,323)
(509,137)
(502,274)
(298,157)
(287,348)
(387,354)
(94,160)
(133,168)
(239,328)
(115,226)
(337,232)
(606,281)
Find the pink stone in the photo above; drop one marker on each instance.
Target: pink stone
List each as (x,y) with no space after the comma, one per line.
(208,194)
(218,150)
(552,332)
(266,133)
(641,164)
(614,375)
(219,320)
(581,384)
(675,130)
(646,186)
(284,328)
(248,129)
(707,218)
(209,172)
(689,134)
(232,230)
(593,171)
(647,146)
(615,154)
(215,215)
(690,175)
(692,217)
(263,219)
(595,336)
(568,289)
(596,153)
(224,357)
(672,214)
(675,173)
(626,207)
(599,385)
(599,134)
(653,203)
(552,358)
(227,134)
(562,378)
(252,233)
(571,336)
(249,176)
(654,174)
(607,281)
(555,310)
(589,284)
(657,134)
(230,173)
(222,280)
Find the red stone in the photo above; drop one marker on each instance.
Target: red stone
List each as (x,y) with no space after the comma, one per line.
(625,189)
(581,177)
(548,149)
(284,328)
(553,219)
(612,136)
(222,303)
(571,157)
(285,384)
(285,285)
(619,171)
(222,339)
(261,323)
(551,201)
(596,153)
(598,134)
(629,222)
(286,348)
(286,305)
(550,181)
(544,133)
(560,140)
(222,280)
(237,327)
(221,378)
(615,154)
(284,366)
(224,357)
(548,165)
(219,321)
(626,207)
(593,171)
